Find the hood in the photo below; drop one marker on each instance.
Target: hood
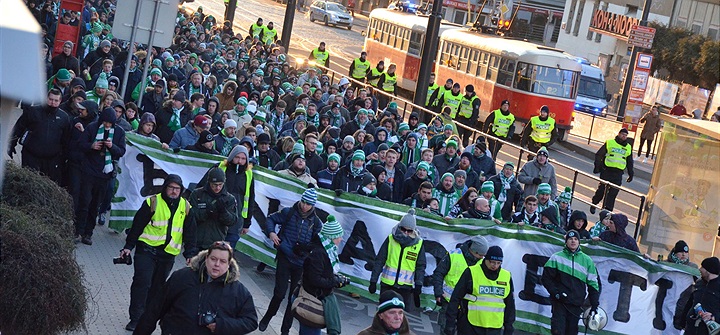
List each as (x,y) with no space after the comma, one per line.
(92,109)
(405,240)
(377,131)
(575,216)
(146,118)
(77,81)
(551,214)
(197,264)
(108,115)
(469,258)
(236,150)
(621,222)
(247,139)
(376,170)
(617,139)
(173,178)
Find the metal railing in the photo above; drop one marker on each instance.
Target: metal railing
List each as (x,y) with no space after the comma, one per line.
(603,128)
(573,176)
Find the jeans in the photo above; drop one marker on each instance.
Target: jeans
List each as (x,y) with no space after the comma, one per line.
(285,270)
(564,319)
(305,330)
(649,145)
(152,268)
(92,190)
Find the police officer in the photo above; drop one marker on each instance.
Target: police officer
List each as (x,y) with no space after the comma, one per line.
(373,76)
(213,209)
(451,99)
(401,260)
(359,67)
(610,162)
(320,56)
(540,131)
(483,301)
(501,124)
(432,87)
(468,113)
(160,228)
(257,28)
(567,276)
(388,83)
(451,267)
(269,34)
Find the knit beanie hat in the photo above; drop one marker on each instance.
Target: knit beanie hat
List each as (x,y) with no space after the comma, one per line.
(298,148)
(319,148)
(544,188)
(459,173)
(572,233)
(268,99)
(681,246)
(487,186)
(260,115)
(63,75)
(333,157)
(358,154)
(408,220)
(310,196)
(452,143)
(389,300)
(156,71)
(566,195)
(101,81)
(446,175)
(712,265)
(543,151)
(242,101)
(368,178)
(179,96)
(349,138)
(421,126)
(362,111)
(403,126)
(383,146)
(229,123)
(205,137)
(479,245)
(510,164)
(332,229)
(216,176)
(494,253)
(423,165)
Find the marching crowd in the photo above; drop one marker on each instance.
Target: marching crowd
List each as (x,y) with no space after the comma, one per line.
(215,91)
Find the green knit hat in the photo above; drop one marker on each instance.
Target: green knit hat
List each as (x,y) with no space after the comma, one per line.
(544,188)
(566,195)
(333,157)
(63,75)
(268,99)
(362,111)
(332,229)
(358,154)
(447,174)
(242,101)
(403,126)
(424,165)
(101,81)
(451,143)
(298,148)
(487,186)
(156,71)
(96,28)
(448,127)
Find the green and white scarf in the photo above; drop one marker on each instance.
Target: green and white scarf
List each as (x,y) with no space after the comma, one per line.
(505,186)
(174,124)
(108,157)
(332,251)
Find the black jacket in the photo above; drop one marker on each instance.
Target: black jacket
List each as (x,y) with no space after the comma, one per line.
(443,267)
(212,214)
(600,159)
(314,163)
(514,196)
(579,215)
(75,155)
(344,180)
(94,160)
(189,291)
(163,117)
(43,131)
(318,276)
(707,294)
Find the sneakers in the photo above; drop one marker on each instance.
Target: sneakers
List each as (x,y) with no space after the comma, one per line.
(86,240)
(131,325)
(592,209)
(101,219)
(645,160)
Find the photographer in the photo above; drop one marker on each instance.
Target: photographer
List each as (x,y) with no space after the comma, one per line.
(205,298)
(160,227)
(213,209)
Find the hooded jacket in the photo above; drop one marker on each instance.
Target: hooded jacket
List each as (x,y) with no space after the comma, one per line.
(163,117)
(212,213)
(94,160)
(532,170)
(619,237)
(75,155)
(404,241)
(296,230)
(235,183)
(554,225)
(373,146)
(190,291)
(579,215)
(344,179)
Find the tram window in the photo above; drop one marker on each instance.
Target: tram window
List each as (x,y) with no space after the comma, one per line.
(415,43)
(392,36)
(492,68)
(546,80)
(473,62)
(506,71)
(402,37)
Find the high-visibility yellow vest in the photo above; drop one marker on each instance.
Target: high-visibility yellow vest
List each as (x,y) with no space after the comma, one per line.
(431,89)
(155,232)
(269,35)
(616,156)
(320,56)
(501,123)
(441,92)
(248,182)
(360,69)
(466,106)
(541,130)
(399,266)
(375,73)
(256,30)
(486,306)
(458,264)
(389,82)
(451,100)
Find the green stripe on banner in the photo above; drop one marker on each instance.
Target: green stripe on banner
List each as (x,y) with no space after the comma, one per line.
(146,142)
(537,329)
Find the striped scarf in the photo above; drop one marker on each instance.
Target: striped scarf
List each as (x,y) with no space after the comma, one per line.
(108,157)
(332,251)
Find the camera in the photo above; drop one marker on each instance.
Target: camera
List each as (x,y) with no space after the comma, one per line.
(123,260)
(206,318)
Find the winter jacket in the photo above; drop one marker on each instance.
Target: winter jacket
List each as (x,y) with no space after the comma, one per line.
(578,215)
(619,237)
(513,196)
(190,291)
(184,137)
(373,146)
(268,159)
(318,277)
(397,179)
(472,179)
(94,61)
(411,186)
(213,213)
(314,163)
(404,241)
(443,267)
(296,231)
(304,176)
(483,165)
(574,274)
(93,161)
(377,328)
(554,224)
(61,61)
(532,170)
(344,179)
(325,178)
(75,155)
(447,198)
(44,132)
(220,143)
(443,163)
(599,164)
(350,127)
(652,125)
(163,117)
(707,294)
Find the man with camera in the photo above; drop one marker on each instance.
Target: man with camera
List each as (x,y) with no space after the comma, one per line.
(213,209)
(702,311)
(161,227)
(205,298)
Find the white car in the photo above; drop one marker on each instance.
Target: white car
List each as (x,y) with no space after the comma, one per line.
(331,13)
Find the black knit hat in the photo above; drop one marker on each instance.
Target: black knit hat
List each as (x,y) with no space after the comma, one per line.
(712,265)
(681,246)
(389,300)
(494,253)
(205,137)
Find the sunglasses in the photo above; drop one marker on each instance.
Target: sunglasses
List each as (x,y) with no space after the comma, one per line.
(222,245)
(405,230)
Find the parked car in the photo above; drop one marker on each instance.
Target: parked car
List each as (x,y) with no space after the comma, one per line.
(331,13)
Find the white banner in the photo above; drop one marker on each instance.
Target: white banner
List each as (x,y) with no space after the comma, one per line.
(632,287)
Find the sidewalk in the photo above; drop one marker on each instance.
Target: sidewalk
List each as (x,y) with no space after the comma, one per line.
(581,147)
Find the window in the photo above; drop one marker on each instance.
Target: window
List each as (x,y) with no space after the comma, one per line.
(546,80)
(483,65)
(392,36)
(712,33)
(463,60)
(696,28)
(492,69)
(473,65)
(443,53)
(415,43)
(506,72)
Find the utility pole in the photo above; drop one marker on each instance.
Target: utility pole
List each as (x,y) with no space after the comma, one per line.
(230,11)
(631,65)
(288,24)
(429,53)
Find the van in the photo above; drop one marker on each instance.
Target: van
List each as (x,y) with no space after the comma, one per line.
(592,97)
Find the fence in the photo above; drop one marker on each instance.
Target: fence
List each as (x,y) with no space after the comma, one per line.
(581,182)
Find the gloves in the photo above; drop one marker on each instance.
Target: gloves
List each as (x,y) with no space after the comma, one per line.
(11,151)
(372,288)
(629,179)
(561,296)
(416,295)
(338,192)
(537,180)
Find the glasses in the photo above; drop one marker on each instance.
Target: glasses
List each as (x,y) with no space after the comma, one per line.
(405,230)
(221,245)
(174,188)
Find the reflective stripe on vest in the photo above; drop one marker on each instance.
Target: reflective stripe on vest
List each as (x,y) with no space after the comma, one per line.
(155,232)
(616,156)
(389,82)
(375,73)
(501,124)
(486,306)
(458,264)
(400,267)
(541,130)
(451,100)
(248,182)
(466,106)
(431,89)
(360,69)
(320,56)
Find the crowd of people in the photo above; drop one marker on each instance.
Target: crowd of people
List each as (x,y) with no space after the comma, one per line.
(215,91)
